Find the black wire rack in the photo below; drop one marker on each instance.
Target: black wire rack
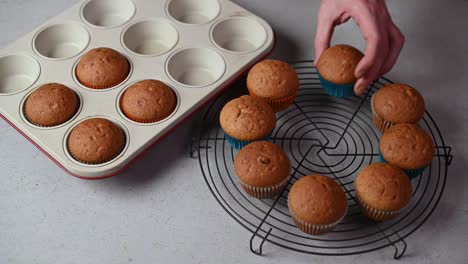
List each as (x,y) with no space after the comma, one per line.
(329,136)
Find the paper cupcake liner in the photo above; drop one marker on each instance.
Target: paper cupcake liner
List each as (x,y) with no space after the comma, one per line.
(278,105)
(412,173)
(144,121)
(107,86)
(337,90)
(101,87)
(376,214)
(239,144)
(264,192)
(381,124)
(313,229)
(43,126)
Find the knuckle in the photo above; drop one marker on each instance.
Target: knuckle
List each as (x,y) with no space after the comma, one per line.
(375,36)
(401,37)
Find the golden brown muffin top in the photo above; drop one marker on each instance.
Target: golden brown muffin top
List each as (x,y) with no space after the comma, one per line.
(51,105)
(407,146)
(262,164)
(148,101)
(317,199)
(247,118)
(399,103)
(384,187)
(273,79)
(96,141)
(338,63)
(102,68)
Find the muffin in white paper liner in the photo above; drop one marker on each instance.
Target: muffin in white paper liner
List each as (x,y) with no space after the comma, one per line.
(264,192)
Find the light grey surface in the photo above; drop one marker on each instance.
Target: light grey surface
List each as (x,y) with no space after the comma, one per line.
(160,211)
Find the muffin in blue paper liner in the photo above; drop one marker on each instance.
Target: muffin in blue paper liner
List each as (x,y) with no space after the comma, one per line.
(336,67)
(337,90)
(239,144)
(411,173)
(247,119)
(408,147)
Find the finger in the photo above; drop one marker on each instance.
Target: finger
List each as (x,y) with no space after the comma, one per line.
(363,82)
(376,44)
(325,28)
(396,42)
(361,85)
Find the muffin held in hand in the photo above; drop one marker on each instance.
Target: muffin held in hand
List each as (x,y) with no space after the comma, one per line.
(336,68)
(274,81)
(383,190)
(96,141)
(317,204)
(408,147)
(263,169)
(148,101)
(396,103)
(247,119)
(51,105)
(102,68)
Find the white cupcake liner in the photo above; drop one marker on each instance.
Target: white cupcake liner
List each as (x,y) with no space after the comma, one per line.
(264,192)
(381,124)
(376,214)
(313,229)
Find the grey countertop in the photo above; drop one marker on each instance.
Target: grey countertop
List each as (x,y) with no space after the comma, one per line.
(160,210)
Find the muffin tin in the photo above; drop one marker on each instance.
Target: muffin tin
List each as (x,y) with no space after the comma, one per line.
(197,47)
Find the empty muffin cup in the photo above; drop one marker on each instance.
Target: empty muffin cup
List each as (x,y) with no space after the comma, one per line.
(193,11)
(239,34)
(61,41)
(150,37)
(18,73)
(108,13)
(196,67)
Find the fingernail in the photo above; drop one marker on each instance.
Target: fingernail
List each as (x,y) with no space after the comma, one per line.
(360,89)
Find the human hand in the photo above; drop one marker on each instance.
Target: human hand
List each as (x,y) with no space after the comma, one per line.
(384,40)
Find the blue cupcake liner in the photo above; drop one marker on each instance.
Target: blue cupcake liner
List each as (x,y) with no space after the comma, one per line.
(239,144)
(337,90)
(411,173)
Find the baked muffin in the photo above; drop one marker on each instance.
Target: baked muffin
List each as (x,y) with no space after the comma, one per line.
(148,101)
(51,105)
(247,119)
(263,169)
(317,204)
(396,103)
(274,81)
(383,190)
(408,147)
(336,68)
(102,68)
(96,141)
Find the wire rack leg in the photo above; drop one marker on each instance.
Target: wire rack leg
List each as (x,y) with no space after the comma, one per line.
(400,252)
(399,245)
(259,250)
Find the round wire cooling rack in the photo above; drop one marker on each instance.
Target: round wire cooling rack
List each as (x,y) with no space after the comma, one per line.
(329,136)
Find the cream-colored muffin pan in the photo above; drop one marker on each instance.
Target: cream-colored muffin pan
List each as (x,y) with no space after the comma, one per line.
(197,47)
